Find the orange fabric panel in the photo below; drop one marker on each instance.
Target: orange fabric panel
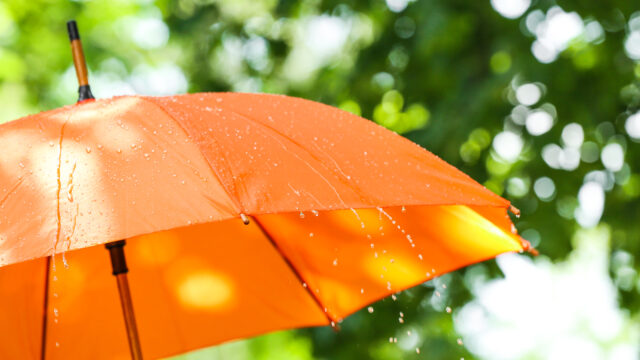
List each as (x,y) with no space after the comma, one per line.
(22,296)
(128,169)
(28,186)
(192,287)
(103,170)
(352,258)
(278,154)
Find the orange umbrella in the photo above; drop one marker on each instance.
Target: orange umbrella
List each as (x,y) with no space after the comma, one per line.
(243,214)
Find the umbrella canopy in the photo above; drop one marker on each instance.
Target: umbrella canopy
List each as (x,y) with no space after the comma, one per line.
(344,213)
(244,214)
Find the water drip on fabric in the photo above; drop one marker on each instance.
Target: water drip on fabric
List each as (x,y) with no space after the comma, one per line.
(64,260)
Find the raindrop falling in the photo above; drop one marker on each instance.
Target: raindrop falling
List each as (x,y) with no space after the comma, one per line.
(448,309)
(370,309)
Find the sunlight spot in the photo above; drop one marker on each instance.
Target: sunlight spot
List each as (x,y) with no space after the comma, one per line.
(613,157)
(528,94)
(397,5)
(591,200)
(632,126)
(156,249)
(539,122)
(573,135)
(544,188)
(508,145)
(204,290)
(511,9)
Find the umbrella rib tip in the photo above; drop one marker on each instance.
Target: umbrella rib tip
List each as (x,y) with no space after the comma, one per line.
(514,210)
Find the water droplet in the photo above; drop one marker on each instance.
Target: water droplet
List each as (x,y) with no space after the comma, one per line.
(417,350)
(88,149)
(370,309)
(448,309)
(403,209)
(310,234)
(459,341)
(335,262)
(401,320)
(301,215)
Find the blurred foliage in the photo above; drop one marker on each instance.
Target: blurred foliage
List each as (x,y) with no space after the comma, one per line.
(446,74)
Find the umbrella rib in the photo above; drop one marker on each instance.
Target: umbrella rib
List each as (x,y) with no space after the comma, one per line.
(295,271)
(43,348)
(234,198)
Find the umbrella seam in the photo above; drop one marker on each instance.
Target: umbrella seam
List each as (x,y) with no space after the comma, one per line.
(234,199)
(462,175)
(295,271)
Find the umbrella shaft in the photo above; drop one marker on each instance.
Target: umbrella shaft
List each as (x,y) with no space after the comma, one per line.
(120,270)
(129,317)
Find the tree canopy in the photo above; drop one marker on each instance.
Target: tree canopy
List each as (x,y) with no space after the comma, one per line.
(537,100)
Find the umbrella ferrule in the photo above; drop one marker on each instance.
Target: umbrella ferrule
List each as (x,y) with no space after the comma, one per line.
(84,91)
(118,261)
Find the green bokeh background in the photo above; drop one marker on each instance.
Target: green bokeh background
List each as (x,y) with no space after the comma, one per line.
(442,73)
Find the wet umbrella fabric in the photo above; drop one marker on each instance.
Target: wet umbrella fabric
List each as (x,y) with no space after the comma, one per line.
(341,213)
